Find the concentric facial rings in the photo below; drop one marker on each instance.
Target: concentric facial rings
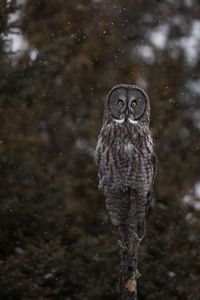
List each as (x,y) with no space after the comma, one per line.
(127,102)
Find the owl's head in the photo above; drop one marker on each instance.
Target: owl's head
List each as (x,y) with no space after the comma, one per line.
(127,103)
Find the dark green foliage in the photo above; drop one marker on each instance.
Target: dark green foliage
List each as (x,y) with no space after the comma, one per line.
(56,241)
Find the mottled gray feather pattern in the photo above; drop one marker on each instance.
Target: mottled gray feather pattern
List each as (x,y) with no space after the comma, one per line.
(126,160)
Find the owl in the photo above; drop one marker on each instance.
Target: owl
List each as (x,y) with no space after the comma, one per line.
(126,159)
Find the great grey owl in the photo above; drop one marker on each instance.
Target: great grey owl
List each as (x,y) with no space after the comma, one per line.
(125,157)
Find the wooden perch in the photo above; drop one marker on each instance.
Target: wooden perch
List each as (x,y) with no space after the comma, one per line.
(129,272)
(129,262)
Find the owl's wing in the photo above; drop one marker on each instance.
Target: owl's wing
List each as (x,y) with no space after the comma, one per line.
(97,152)
(150,193)
(154,162)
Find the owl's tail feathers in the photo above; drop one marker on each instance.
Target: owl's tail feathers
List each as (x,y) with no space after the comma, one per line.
(117,204)
(140,202)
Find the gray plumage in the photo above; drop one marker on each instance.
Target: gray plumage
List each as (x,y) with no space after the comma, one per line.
(125,157)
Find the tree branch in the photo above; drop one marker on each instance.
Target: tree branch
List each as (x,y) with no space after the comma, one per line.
(129,271)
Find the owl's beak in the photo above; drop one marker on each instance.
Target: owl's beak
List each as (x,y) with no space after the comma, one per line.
(126,115)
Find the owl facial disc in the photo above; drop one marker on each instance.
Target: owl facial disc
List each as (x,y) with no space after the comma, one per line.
(117,104)
(136,104)
(127,103)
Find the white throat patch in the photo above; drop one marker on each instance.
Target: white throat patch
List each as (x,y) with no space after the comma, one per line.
(132,121)
(122,121)
(119,121)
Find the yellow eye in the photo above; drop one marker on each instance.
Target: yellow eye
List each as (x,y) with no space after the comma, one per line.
(134,103)
(120,103)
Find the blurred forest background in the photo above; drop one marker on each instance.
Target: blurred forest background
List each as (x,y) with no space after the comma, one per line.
(58,59)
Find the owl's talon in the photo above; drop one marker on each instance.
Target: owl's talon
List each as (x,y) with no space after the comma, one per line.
(121,244)
(124,189)
(137,274)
